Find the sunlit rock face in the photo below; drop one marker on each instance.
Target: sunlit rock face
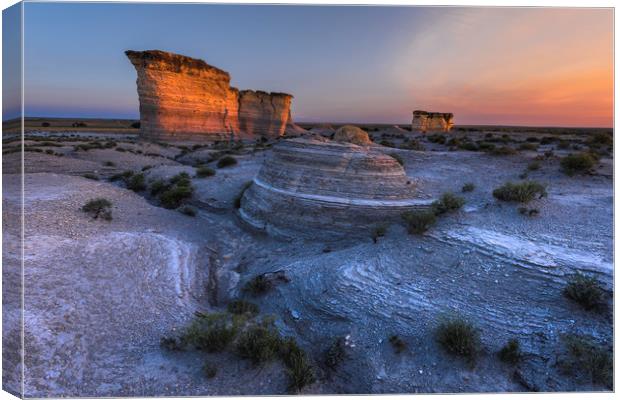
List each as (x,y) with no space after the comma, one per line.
(352,134)
(424,121)
(309,187)
(183,98)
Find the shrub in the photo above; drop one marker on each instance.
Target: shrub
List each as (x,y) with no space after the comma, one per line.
(241,307)
(447,202)
(547,140)
(170,343)
(413,145)
(98,208)
(45,124)
(437,138)
(187,210)
(211,332)
(387,143)
(468,187)
(419,222)
(209,370)
(484,146)
(510,353)
(174,196)
(503,151)
(533,166)
(299,370)
(258,343)
(585,291)
(203,172)
(158,186)
(226,161)
(601,139)
(397,157)
(563,144)
(577,163)
(136,183)
(89,175)
(531,139)
(459,337)
(397,343)
(469,146)
(521,192)
(109,164)
(124,176)
(258,285)
(335,354)
(588,358)
(378,232)
(528,146)
(237,200)
(135,125)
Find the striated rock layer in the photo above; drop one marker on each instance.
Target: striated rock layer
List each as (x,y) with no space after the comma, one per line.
(184,98)
(308,186)
(424,121)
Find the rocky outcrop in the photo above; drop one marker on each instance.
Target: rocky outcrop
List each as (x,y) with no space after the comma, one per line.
(310,187)
(424,121)
(352,134)
(183,98)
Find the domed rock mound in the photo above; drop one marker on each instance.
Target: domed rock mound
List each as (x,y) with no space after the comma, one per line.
(313,188)
(352,134)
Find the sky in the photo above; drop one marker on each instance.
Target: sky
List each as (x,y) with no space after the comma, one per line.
(495,66)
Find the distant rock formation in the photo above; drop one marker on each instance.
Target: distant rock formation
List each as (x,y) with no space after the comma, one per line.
(314,187)
(183,98)
(424,121)
(352,134)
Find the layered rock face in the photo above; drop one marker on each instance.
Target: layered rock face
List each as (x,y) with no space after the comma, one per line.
(183,98)
(309,187)
(424,121)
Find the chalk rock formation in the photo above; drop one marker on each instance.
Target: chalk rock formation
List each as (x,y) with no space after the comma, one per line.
(352,134)
(187,99)
(424,121)
(308,187)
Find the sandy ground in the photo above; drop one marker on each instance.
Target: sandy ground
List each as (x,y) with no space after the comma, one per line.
(99,295)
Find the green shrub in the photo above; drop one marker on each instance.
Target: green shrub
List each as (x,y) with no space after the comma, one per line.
(226,161)
(469,146)
(510,353)
(468,187)
(211,332)
(484,146)
(397,343)
(447,202)
(585,291)
(209,370)
(170,343)
(181,179)
(397,157)
(437,138)
(124,176)
(258,285)
(237,200)
(387,143)
(158,186)
(378,232)
(174,196)
(528,146)
(459,337)
(413,145)
(577,163)
(187,210)
(89,175)
(419,222)
(98,208)
(241,307)
(258,343)
(588,358)
(136,183)
(109,164)
(299,370)
(533,166)
(601,139)
(521,192)
(335,354)
(563,144)
(503,151)
(203,172)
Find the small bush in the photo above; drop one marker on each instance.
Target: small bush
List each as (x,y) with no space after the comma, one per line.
(585,291)
(601,139)
(563,144)
(528,146)
(173,197)
(158,186)
(419,222)
(469,146)
(109,164)
(187,210)
(259,343)
(241,307)
(577,163)
(510,353)
(397,343)
(413,145)
(378,232)
(146,168)
(468,187)
(226,161)
(437,138)
(397,157)
(203,172)
(387,143)
(459,337)
(124,176)
(533,166)
(258,285)
(209,370)
(170,343)
(503,151)
(484,146)
(211,332)
(136,183)
(588,358)
(447,202)
(299,370)
(237,200)
(99,208)
(89,175)
(521,192)
(335,354)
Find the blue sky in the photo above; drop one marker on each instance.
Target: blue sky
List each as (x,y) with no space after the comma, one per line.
(342,64)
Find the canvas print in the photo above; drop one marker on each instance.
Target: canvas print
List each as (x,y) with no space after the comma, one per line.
(224,200)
